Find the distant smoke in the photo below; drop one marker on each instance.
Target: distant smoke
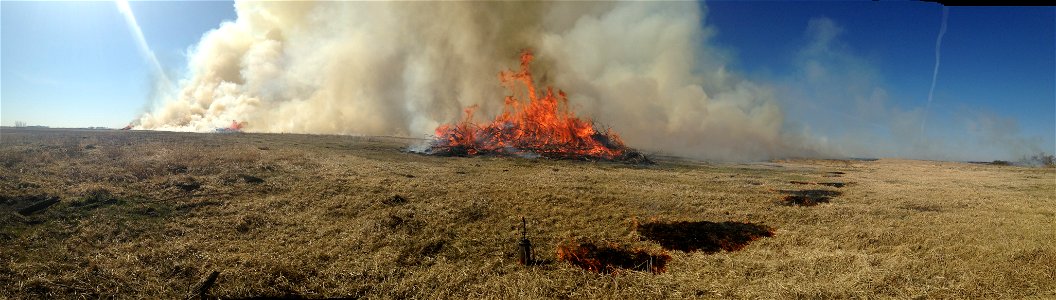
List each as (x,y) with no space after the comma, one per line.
(644,69)
(935,73)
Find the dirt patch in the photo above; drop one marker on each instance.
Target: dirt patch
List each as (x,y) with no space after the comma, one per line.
(608,259)
(708,237)
(809,197)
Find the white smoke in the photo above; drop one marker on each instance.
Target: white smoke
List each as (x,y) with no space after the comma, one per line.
(141,40)
(935,72)
(644,69)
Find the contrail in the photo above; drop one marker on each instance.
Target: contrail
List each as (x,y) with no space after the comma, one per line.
(935,73)
(122,5)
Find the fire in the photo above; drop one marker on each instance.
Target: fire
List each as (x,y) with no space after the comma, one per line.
(544,126)
(235,126)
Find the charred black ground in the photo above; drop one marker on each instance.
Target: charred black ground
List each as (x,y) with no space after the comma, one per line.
(708,237)
(612,258)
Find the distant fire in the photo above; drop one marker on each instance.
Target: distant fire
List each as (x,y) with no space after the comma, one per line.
(543,126)
(235,126)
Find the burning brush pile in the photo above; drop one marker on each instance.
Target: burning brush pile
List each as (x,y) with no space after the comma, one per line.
(543,126)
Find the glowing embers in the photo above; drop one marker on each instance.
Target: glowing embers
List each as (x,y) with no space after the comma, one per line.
(708,237)
(612,258)
(543,125)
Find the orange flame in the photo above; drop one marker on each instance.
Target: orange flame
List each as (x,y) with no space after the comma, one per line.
(236,126)
(543,126)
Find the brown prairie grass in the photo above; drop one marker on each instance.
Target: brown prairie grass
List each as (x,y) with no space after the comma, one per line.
(152,214)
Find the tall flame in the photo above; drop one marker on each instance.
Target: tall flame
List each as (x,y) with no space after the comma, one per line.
(544,126)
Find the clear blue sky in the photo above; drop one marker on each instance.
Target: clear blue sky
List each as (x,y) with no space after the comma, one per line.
(76,64)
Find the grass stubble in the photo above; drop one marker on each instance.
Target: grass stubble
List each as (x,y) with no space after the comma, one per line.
(151,214)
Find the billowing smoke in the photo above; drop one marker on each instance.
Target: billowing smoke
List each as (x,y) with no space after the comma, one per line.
(644,69)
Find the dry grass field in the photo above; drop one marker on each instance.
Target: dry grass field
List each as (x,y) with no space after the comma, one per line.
(152,214)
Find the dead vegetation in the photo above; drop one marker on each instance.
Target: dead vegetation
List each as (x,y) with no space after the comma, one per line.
(155,214)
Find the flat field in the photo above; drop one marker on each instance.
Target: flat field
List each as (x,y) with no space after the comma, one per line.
(153,214)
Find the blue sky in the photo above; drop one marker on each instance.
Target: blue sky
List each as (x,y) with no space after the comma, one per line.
(996,62)
(76,64)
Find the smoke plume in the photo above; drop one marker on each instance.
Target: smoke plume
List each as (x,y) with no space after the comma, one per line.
(644,69)
(935,73)
(141,41)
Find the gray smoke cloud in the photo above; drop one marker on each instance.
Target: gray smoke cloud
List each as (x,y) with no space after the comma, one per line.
(647,70)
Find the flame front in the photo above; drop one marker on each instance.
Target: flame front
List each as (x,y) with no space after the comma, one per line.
(544,126)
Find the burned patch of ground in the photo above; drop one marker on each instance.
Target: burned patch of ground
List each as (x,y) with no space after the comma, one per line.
(607,259)
(176,168)
(708,237)
(33,203)
(229,179)
(808,197)
(830,184)
(22,196)
(22,199)
(186,184)
(993,163)
(95,198)
(394,200)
